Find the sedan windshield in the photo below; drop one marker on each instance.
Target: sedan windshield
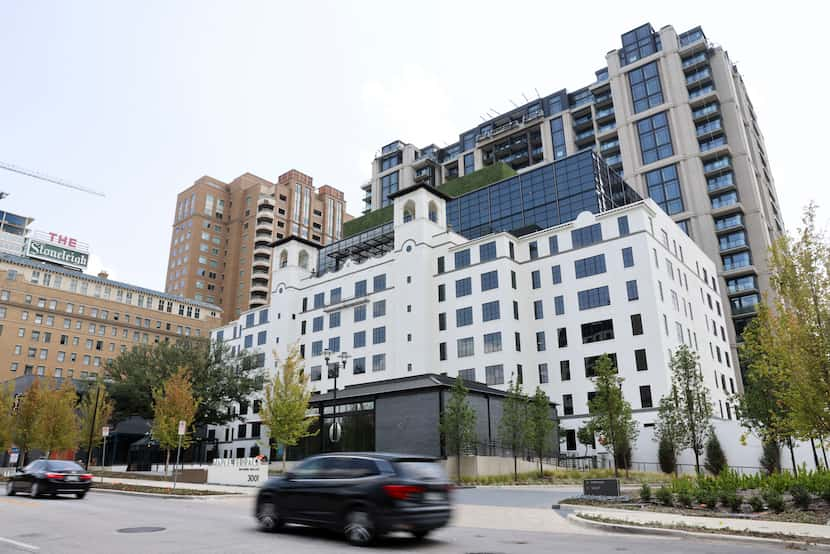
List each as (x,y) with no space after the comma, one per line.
(58,465)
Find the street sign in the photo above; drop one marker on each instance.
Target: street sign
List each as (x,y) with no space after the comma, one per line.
(182,427)
(105,431)
(15,454)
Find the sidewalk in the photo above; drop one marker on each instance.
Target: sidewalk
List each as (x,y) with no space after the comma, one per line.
(229,489)
(761,527)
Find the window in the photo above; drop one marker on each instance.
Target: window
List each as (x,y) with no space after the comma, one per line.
(513,280)
(379,335)
(492,342)
(556,274)
(360,313)
(628,257)
(334,320)
(645,396)
(359,366)
(379,308)
(735,261)
(631,290)
(538,309)
(591,361)
(316,373)
(463,287)
(442,351)
(636,324)
(490,311)
(559,305)
(388,185)
(319,301)
(553,244)
(664,188)
(543,374)
(568,409)
(533,250)
(469,163)
(640,359)
(379,362)
(334,344)
(463,317)
(655,138)
(262,337)
(517,339)
(487,252)
(597,331)
(586,236)
(622,225)
(587,267)
(442,293)
(317,324)
(489,280)
(562,337)
(335,295)
(646,91)
(724,200)
(535,279)
(468,375)
(593,298)
(465,347)
(540,341)
(441,267)
(360,289)
(494,374)
(249,341)
(359,339)
(557,132)
(462,259)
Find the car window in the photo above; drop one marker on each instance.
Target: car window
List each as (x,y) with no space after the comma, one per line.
(428,471)
(37,465)
(349,468)
(309,469)
(64,466)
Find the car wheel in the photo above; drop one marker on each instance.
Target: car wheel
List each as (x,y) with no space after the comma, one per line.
(10,488)
(35,490)
(268,517)
(359,527)
(80,495)
(420,535)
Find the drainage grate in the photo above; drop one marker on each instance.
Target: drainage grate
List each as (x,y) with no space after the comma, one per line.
(140,530)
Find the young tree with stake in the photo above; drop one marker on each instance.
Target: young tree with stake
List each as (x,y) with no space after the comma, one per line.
(57,422)
(691,401)
(458,424)
(513,424)
(173,401)
(540,427)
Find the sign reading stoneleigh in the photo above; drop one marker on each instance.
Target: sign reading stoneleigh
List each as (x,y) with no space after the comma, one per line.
(49,252)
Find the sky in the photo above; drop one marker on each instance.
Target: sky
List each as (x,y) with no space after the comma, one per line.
(139,99)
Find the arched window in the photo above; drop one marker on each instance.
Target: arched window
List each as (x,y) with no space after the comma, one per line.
(283,258)
(433,212)
(409,211)
(303,259)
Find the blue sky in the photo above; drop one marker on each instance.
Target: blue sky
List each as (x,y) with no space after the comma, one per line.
(139,99)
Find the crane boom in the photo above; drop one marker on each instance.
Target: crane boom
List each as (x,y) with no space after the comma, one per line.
(48,179)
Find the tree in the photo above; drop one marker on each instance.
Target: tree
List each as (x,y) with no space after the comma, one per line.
(285,407)
(6,415)
(458,424)
(611,416)
(715,458)
(57,422)
(670,432)
(25,430)
(218,378)
(691,401)
(585,437)
(771,458)
(173,401)
(92,420)
(513,424)
(540,427)
(667,456)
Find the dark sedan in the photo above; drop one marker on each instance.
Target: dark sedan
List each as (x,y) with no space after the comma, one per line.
(50,477)
(362,495)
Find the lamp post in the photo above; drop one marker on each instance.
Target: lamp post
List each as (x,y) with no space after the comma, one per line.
(92,426)
(334,372)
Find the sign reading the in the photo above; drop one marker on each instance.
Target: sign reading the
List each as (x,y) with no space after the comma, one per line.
(57,248)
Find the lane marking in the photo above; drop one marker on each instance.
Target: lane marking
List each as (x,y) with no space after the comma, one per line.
(21,545)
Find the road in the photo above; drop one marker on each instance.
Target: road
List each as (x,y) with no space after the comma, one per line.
(491,521)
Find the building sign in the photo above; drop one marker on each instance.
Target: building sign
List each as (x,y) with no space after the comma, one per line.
(56,248)
(237,471)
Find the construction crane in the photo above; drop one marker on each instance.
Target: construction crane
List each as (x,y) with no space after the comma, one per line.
(47,178)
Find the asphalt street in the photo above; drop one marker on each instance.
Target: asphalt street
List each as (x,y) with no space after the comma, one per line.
(491,521)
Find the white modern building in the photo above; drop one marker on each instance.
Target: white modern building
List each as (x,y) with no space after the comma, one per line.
(414,297)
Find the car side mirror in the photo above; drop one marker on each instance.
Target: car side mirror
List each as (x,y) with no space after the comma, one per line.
(18,470)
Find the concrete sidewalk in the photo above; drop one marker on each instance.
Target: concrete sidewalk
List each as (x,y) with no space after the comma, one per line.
(761,527)
(228,489)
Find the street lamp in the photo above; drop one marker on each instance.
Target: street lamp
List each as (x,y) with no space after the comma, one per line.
(92,425)
(333,371)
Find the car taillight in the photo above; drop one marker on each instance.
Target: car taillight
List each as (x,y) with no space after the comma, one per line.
(402,492)
(86,477)
(54,476)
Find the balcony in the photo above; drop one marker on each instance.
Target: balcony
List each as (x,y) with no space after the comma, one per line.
(613,160)
(583,121)
(589,134)
(693,37)
(712,144)
(706,110)
(265,219)
(602,99)
(748,283)
(263,234)
(717,165)
(609,145)
(259,283)
(261,269)
(607,128)
(604,114)
(260,250)
(698,77)
(695,60)
(390,148)
(258,298)
(729,223)
(709,128)
(702,92)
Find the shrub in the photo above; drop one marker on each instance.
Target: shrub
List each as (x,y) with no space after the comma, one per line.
(757,504)
(665,455)
(645,492)
(715,458)
(771,458)
(774,500)
(735,502)
(825,495)
(684,498)
(710,500)
(664,496)
(801,496)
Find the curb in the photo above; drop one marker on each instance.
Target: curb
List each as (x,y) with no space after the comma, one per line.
(173,496)
(660,531)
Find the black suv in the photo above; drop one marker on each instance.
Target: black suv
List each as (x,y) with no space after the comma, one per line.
(364,495)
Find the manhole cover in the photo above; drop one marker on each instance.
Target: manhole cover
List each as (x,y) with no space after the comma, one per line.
(140,530)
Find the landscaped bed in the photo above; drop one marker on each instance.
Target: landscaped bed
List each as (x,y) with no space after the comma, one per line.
(564,477)
(155,490)
(777,497)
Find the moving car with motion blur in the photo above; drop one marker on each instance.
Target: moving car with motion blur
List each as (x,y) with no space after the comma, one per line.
(364,495)
(50,477)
